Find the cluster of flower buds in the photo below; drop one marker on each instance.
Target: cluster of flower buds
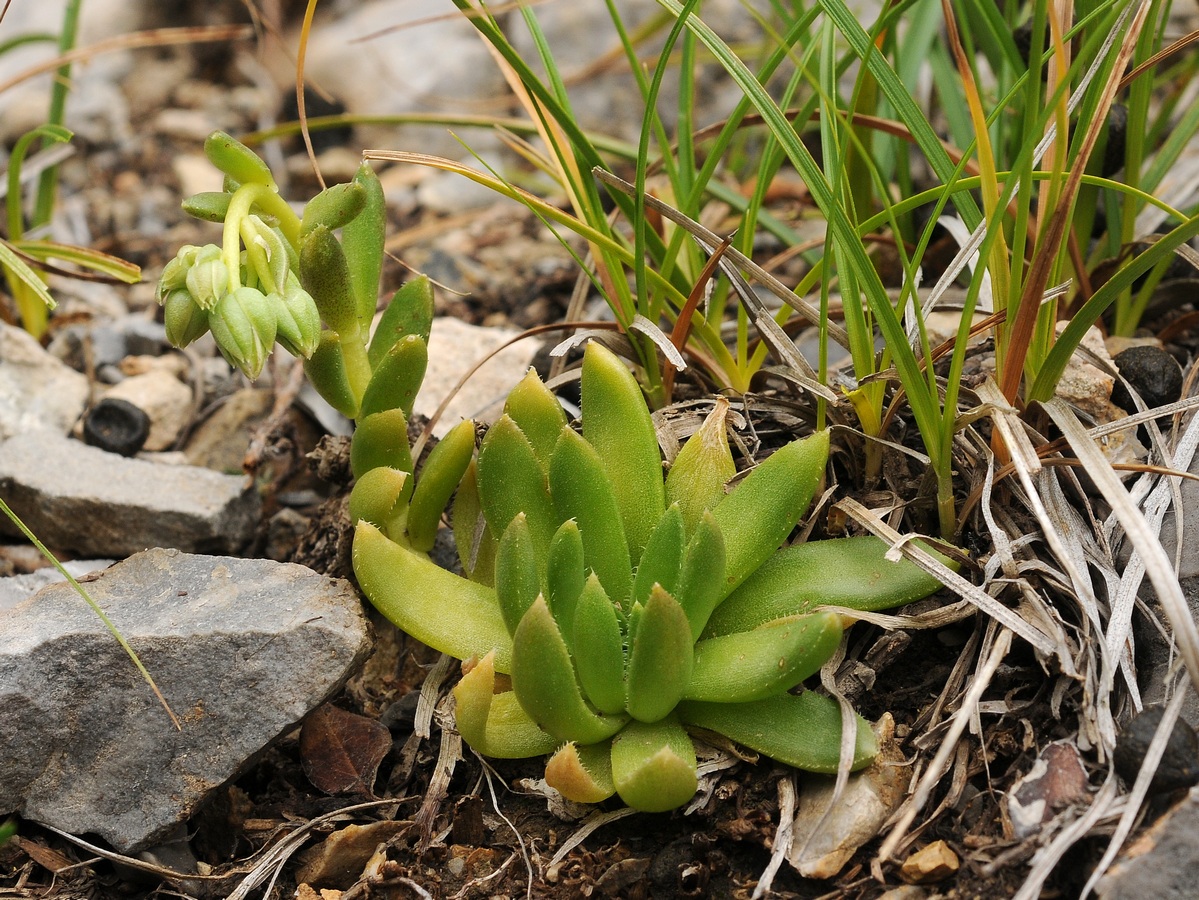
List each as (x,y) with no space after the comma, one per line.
(197,296)
(250,291)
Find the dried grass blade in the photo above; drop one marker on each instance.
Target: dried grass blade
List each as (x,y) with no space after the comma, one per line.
(1157,564)
(1005,616)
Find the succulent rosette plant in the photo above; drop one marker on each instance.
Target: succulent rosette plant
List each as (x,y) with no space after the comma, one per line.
(610,611)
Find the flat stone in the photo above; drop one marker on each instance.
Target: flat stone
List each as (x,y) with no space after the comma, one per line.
(456,346)
(37,391)
(1162,862)
(241,649)
(93,503)
(17,588)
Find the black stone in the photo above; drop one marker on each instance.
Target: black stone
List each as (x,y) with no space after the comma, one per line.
(1152,372)
(116,426)
(1179,767)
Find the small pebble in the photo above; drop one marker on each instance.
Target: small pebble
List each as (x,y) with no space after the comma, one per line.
(1179,766)
(116,426)
(1152,372)
(933,863)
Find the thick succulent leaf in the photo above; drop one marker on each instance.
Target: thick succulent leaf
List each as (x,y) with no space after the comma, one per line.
(761,511)
(537,411)
(654,766)
(326,369)
(703,467)
(582,491)
(751,665)
(439,477)
(517,583)
(598,649)
(494,724)
(362,239)
(334,207)
(565,575)
(852,572)
(410,312)
(378,497)
(511,482)
(617,423)
(701,581)
(325,275)
(582,773)
(660,658)
(663,556)
(436,607)
(473,539)
(803,731)
(381,440)
(397,378)
(236,160)
(544,680)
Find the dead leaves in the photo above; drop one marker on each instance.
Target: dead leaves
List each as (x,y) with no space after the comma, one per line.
(341,751)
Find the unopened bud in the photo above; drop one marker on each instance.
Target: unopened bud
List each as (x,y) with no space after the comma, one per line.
(184,319)
(207,277)
(243,324)
(174,273)
(298,323)
(266,252)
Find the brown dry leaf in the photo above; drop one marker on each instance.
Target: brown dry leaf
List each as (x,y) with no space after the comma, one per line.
(341,751)
(44,856)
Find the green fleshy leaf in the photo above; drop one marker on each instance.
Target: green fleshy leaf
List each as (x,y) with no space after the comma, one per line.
(208,206)
(599,649)
(850,572)
(582,491)
(378,497)
(703,467)
(517,583)
(539,414)
(617,423)
(660,658)
(440,475)
(761,511)
(511,482)
(410,312)
(475,544)
(654,765)
(752,665)
(381,439)
(363,239)
(662,558)
(326,369)
(325,274)
(582,773)
(565,575)
(701,580)
(494,724)
(396,381)
(335,206)
(803,731)
(236,160)
(438,608)
(544,681)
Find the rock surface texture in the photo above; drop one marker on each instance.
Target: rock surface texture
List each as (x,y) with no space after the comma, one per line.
(37,392)
(241,649)
(94,503)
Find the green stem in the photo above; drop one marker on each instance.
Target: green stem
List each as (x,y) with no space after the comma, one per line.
(47,185)
(241,205)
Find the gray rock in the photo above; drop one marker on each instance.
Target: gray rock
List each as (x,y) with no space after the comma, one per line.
(93,503)
(242,650)
(1161,863)
(17,588)
(37,392)
(418,58)
(1157,659)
